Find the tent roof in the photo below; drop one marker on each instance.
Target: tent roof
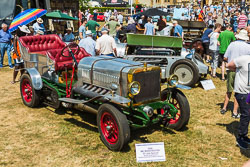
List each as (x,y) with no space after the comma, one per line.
(59,15)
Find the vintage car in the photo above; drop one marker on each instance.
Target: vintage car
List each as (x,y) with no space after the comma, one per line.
(100,16)
(166,52)
(124,94)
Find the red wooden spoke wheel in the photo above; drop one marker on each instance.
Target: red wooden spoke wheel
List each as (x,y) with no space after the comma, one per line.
(30,96)
(113,127)
(109,128)
(26,89)
(179,100)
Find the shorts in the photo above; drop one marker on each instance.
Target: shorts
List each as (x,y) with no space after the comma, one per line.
(206,48)
(221,59)
(230,81)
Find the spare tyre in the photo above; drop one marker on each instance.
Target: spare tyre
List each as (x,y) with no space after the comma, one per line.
(187,72)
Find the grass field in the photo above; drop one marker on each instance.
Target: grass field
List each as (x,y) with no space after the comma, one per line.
(45,137)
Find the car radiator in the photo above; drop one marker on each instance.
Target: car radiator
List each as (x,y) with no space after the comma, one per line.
(150,86)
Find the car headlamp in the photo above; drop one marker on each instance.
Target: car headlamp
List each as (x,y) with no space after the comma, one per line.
(134,88)
(173,80)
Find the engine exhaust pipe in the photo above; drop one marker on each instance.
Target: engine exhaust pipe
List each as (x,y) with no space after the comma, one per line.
(87,108)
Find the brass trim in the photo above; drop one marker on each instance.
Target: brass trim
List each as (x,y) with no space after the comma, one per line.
(131,84)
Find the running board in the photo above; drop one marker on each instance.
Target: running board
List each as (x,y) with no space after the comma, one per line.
(74,101)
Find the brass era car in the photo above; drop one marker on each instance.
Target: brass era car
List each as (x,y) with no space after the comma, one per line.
(124,94)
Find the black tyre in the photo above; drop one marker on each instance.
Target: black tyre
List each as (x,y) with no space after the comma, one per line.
(187,72)
(113,127)
(180,102)
(30,96)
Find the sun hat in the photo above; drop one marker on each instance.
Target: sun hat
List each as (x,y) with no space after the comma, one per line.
(24,29)
(40,32)
(39,20)
(112,18)
(104,30)
(88,32)
(210,14)
(69,29)
(175,22)
(242,35)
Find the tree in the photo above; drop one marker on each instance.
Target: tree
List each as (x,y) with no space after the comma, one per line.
(83,4)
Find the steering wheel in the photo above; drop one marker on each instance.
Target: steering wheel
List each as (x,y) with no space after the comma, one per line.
(70,48)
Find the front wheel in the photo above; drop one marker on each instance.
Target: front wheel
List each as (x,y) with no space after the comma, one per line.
(113,127)
(179,100)
(30,96)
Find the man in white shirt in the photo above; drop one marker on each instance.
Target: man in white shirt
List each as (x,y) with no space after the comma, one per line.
(88,43)
(105,45)
(120,18)
(242,89)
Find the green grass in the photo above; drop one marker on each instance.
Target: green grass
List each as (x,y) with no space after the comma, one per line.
(45,137)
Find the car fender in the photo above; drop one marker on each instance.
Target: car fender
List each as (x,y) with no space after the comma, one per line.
(35,77)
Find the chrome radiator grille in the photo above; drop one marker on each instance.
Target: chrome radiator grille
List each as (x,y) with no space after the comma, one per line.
(150,86)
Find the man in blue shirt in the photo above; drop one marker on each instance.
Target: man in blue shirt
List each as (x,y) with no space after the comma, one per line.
(149,28)
(5,44)
(82,29)
(178,30)
(38,25)
(88,43)
(68,37)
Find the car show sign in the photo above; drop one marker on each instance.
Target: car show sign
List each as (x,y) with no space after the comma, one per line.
(208,84)
(150,152)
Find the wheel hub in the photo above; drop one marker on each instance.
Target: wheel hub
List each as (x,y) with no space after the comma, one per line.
(183,75)
(108,128)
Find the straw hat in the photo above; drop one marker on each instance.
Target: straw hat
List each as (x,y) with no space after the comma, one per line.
(69,29)
(39,20)
(175,22)
(242,35)
(24,29)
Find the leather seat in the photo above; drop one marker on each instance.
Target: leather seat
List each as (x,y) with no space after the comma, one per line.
(52,46)
(41,43)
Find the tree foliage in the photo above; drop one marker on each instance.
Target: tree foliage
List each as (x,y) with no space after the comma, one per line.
(83,3)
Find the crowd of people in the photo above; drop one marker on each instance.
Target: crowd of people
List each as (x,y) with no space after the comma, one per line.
(226,45)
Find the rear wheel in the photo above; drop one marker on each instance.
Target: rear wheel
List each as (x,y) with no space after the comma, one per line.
(113,127)
(30,96)
(186,71)
(180,102)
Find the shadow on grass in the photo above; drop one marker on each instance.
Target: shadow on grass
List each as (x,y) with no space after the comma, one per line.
(230,105)
(233,129)
(91,124)
(139,134)
(85,117)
